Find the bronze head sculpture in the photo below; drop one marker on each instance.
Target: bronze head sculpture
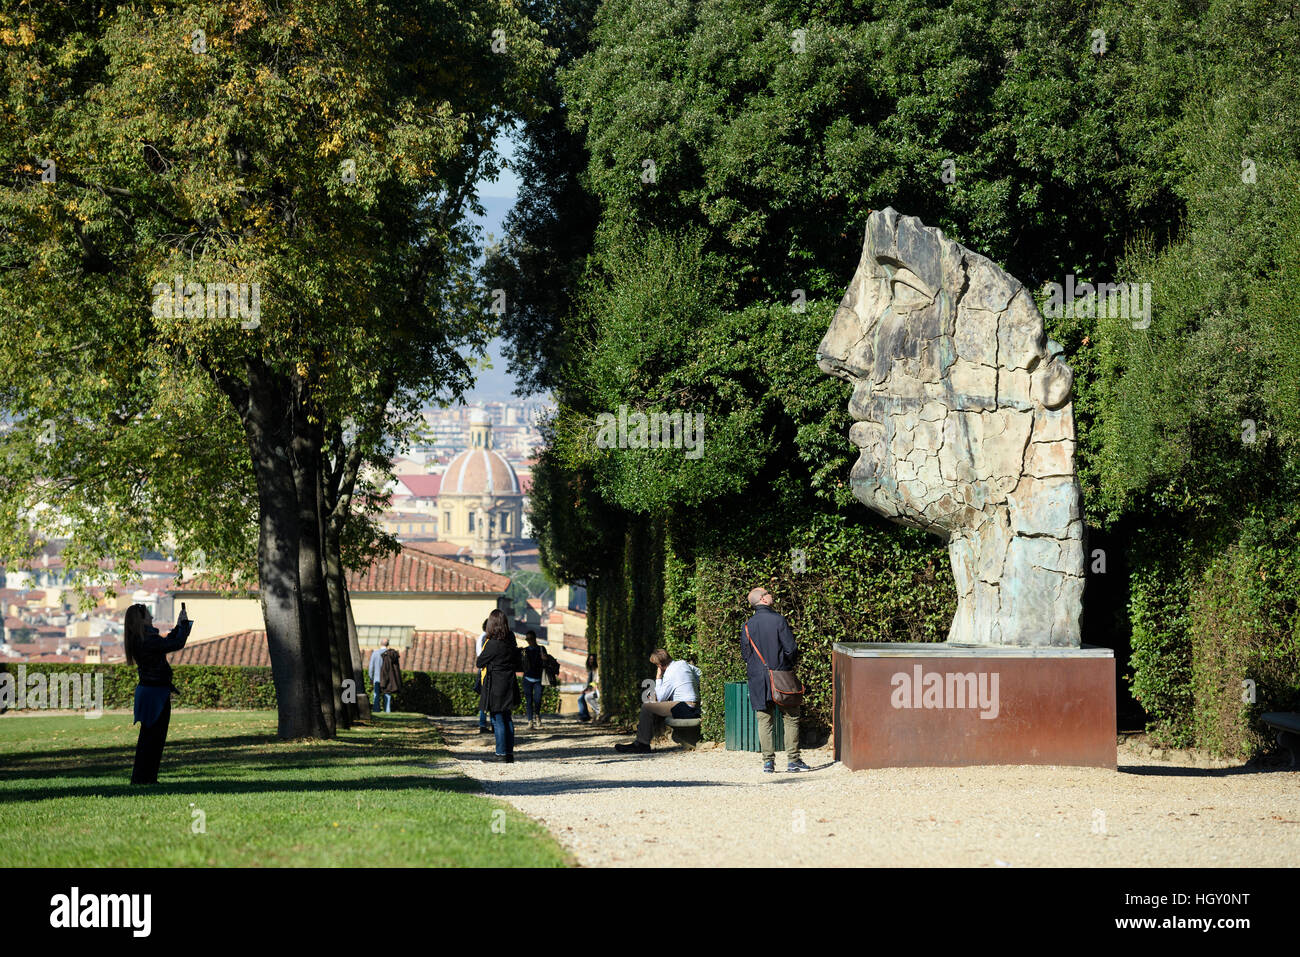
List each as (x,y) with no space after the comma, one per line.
(965,427)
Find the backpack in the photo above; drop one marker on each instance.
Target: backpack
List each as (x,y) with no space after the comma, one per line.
(550,670)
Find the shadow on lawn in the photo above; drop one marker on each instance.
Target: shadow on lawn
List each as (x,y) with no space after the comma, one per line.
(209,786)
(249,751)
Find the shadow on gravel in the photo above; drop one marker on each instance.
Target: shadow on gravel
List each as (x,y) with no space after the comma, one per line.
(531,787)
(1147,770)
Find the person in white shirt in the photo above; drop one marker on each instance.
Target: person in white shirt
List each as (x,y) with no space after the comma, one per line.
(677,693)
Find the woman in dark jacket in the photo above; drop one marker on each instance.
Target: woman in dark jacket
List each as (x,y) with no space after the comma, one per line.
(534,662)
(499,660)
(148,650)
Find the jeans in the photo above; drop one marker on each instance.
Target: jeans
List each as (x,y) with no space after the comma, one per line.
(592,698)
(149,748)
(789,717)
(533,696)
(503,725)
(388,700)
(482,719)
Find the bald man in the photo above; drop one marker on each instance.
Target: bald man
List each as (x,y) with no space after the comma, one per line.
(767,637)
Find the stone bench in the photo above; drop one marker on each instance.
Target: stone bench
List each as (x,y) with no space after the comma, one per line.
(1286,725)
(684,731)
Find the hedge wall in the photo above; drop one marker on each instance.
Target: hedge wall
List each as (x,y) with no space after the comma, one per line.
(200,686)
(212,686)
(1211,610)
(1244,625)
(834,580)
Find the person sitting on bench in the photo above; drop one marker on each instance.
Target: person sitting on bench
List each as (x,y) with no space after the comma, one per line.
(677,693)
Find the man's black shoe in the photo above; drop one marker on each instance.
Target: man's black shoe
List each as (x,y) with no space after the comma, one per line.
(636,747)
(769,766)
(797,765)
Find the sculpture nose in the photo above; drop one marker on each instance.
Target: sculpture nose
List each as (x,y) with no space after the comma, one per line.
(828,364)
(841,337)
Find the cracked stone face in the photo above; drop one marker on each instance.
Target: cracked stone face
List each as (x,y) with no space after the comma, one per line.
(965,427)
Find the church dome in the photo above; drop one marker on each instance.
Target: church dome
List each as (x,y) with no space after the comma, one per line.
(477,471)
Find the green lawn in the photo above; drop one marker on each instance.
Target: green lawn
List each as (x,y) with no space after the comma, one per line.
(379,796)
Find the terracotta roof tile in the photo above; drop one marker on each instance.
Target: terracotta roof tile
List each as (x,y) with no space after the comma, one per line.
(434,651)
(244,649)
(429,651)
(422,486)
(413,569)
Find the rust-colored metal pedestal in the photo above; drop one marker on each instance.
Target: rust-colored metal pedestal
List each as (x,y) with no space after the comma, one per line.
(940,705)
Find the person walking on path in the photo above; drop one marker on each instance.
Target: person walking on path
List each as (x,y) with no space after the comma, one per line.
(390,676)
(148,650)
(534,660)
(677,693)
(590,693)
(478,679)
(376,668)
(500,659)
(769,633)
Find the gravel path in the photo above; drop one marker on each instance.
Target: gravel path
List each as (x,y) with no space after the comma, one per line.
(716,807)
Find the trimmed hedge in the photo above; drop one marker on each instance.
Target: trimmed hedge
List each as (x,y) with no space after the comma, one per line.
(451,694)
(214,686)
(834,579)
(200,686)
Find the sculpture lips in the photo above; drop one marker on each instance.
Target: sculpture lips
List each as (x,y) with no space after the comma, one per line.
(864,434)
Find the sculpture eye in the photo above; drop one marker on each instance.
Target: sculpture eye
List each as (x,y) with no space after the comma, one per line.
(909,291)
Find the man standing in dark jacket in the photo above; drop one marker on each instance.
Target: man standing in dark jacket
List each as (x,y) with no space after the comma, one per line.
(390,676)
(770,634)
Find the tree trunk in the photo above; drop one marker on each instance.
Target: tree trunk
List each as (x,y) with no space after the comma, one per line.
(292,657)
(341,631)
(306,480)
(359,666)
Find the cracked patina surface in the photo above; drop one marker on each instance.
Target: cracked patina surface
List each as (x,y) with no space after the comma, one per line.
(965,427)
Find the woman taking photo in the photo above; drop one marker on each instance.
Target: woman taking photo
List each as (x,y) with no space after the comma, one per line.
(148,650)
(498,662)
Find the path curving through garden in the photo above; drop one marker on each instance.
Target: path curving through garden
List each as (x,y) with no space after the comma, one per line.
(715,807)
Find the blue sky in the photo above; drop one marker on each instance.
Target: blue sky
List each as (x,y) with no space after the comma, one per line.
(498,197)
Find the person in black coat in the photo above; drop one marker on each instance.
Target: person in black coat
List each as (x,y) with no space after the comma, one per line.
(534,662)
(498,662)
(390,675)
(148,650)
(767,637)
